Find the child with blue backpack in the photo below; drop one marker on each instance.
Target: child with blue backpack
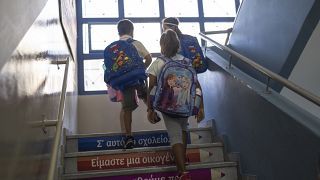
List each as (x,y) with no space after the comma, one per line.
(189,48)
(189,45)
(125,71)
(170,76)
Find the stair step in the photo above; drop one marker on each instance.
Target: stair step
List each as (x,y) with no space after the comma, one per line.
(139,157)
(203,171)
(96,142)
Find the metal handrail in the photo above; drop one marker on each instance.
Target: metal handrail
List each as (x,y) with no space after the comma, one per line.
(228,31)
(290,85)
(57,138)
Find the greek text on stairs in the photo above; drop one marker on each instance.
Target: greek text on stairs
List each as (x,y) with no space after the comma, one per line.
(125,160)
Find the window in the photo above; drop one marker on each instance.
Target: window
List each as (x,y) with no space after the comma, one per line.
(216,26)
(85,39)
(97,27)
(190,28)
(148,34)
(102,35)
(93,75)
(219,8)
(189,9)
(141,8)
(99,8)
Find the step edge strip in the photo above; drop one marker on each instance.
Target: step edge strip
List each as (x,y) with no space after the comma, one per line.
(142,170)
(76,136)
(145,149)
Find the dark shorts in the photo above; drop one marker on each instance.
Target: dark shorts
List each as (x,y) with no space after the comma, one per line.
(129,102)
(142,92)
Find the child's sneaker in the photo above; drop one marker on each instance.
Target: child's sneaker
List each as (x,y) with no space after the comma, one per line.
(184,176)
(128,142)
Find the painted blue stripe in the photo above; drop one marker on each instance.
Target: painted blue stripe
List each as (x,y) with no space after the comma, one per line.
(116,142)
(121,9)
(80,47)
(155,19)
(161,9)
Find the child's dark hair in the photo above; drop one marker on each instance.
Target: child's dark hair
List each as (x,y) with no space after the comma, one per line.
(172,23)
(169,43)
(125,26)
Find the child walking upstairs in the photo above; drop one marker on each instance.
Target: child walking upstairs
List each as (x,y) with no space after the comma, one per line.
(170,101)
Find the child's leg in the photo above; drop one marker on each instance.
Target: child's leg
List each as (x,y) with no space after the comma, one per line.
(185,143)
(129,104)
(126,117)
(142,91)
(177,134)
(179,155)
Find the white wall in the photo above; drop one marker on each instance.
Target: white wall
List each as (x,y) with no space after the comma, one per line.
(97,114)
(30,86)
(306,73)
(16,17)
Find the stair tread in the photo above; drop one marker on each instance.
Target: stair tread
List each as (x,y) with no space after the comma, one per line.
(142,170)
(144,149)
(76,136)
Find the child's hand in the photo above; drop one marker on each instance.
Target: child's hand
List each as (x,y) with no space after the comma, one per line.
(200,115)
(153,117)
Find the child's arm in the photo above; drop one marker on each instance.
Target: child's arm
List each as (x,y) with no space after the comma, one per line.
(200,116)
(152,83)
(148,60)
(143,52)
(151,114)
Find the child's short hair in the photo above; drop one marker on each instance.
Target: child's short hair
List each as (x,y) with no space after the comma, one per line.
(172,23)
(125,26)
(169,43)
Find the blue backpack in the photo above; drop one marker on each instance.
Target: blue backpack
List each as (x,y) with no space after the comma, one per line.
(123,65)
(176,88)
(191,49)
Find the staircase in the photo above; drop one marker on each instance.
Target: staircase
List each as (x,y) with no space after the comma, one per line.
(101,157)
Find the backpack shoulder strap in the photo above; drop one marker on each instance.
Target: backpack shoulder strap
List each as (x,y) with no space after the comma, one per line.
(130,40)
(186,36)
(187,61)
(184,61)
(165,59)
